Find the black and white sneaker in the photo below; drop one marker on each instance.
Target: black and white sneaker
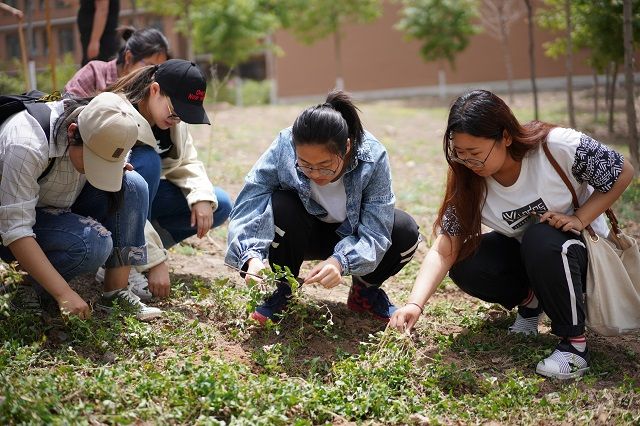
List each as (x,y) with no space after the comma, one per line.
(566,362)
(526,321)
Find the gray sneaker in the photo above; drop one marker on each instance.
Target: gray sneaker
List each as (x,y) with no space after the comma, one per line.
(25,299)
(128,303)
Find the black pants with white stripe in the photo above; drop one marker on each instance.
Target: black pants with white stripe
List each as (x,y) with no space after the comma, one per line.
(550,262)
(301,237)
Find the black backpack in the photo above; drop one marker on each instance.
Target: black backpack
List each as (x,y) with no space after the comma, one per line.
(33,102)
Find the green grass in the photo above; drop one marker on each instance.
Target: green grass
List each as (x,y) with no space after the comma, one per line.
(203,364)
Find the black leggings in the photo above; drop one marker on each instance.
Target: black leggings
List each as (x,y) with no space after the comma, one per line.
(550,262)
(301,236)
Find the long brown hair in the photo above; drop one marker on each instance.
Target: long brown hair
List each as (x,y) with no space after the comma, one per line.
(482,114)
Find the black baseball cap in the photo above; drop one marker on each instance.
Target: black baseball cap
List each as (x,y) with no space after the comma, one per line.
(185,85)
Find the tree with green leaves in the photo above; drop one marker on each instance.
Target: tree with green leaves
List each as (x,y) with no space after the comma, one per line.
(232,31)
(597,26)
(181,10)
(629,83)
(228,31)
(444,27)
(532,57)
(497,18)
(313,20)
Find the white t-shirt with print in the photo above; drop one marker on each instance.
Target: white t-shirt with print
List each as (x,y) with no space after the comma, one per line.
(539,188)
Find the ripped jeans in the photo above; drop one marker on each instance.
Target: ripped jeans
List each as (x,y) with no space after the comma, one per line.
(92,233)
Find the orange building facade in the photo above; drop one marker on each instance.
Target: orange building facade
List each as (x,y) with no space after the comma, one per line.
(379,62)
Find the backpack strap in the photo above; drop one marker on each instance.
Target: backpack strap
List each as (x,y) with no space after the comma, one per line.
(42,113)
(34,103)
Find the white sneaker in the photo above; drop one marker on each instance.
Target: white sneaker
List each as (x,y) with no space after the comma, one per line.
(566,362)
(127,302)
(525,326)
(138,283)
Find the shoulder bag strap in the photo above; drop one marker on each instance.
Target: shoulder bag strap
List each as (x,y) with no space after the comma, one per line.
(566,181)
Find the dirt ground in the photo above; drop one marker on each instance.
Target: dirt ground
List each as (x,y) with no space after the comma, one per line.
(240,135)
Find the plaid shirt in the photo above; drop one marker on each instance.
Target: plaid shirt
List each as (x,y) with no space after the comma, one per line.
(24,155)
(92,79)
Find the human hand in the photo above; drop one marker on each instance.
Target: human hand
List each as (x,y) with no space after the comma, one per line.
(202,216)
(159,282)
(327,273)
(563,222)
(403,319)
(72,304)
(93,48)
(255,267)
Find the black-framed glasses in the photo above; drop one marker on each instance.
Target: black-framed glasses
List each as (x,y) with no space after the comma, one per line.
(322,171)
(472,163)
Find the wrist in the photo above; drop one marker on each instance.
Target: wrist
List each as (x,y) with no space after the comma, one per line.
(416,304)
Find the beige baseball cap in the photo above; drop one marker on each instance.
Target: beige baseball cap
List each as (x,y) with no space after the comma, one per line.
(109,126)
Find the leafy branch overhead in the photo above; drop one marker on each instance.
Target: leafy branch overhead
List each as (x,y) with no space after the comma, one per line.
(444,27)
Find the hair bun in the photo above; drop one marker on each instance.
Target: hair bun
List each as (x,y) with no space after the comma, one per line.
(126,32)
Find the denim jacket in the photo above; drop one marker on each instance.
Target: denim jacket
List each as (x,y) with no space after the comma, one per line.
(366,233)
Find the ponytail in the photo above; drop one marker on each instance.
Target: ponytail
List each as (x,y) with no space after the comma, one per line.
(330,124)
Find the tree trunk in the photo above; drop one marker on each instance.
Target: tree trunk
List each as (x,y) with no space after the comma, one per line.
(607,84)
(191,56)
(532,58)
(612,94)
(337,43)
(504,44)
(629,83)
(569,65)
(596,94)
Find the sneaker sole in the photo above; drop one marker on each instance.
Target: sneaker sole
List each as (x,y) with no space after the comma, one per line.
(141,317)
(562,376)
(257,316)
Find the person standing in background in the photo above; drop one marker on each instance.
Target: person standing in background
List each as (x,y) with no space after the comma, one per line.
(97,23)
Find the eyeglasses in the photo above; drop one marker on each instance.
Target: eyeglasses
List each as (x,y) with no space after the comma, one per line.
(172,115)
(322,171)
(470,162)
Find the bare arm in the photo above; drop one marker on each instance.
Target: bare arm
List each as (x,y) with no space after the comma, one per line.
(12,10)
(32,259)
(99,23)
(597,203)
(439,259)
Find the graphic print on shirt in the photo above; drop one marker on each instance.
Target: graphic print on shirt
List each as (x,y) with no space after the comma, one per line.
(520,216)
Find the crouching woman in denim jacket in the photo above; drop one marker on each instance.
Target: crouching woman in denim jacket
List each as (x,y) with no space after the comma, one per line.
(322,191)
(82,212)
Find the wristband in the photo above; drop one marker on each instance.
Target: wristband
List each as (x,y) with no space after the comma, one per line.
(420,307)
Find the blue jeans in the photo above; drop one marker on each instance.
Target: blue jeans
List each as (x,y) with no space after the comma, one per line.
(93,233)
(146,161)
(170,214)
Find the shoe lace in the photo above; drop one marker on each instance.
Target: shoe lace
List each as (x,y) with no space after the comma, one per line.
(130,297)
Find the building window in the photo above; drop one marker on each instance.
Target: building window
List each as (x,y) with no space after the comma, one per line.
(66,40)
(13,46)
